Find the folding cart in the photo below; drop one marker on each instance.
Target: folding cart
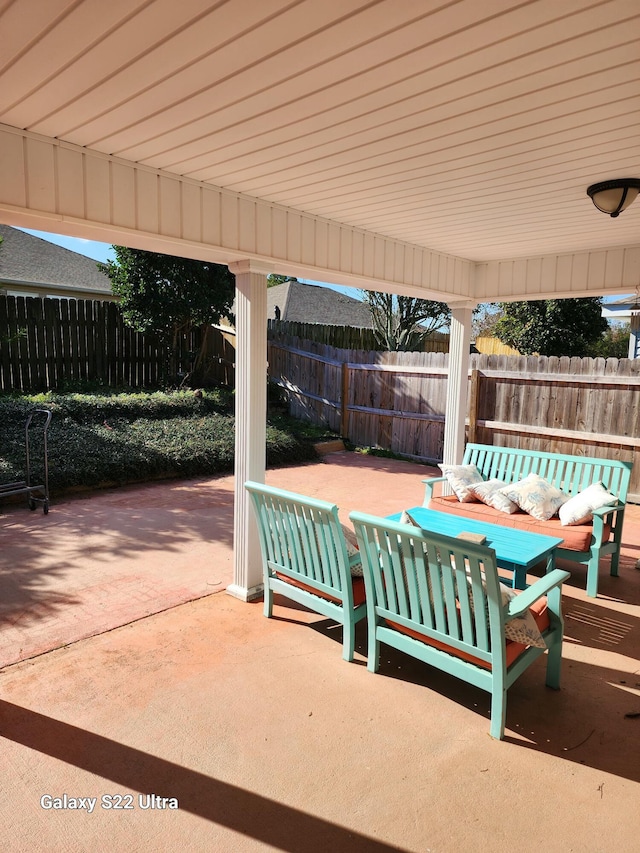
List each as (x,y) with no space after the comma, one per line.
(40,493)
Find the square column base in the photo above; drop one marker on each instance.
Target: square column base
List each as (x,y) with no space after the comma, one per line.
(245,594)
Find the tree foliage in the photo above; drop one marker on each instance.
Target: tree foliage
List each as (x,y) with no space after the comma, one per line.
(552,326)
(169,296)
(485,317)
(614,343)
(401,323)
(273,279)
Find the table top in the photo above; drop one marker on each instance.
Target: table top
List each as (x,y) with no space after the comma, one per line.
(513,546)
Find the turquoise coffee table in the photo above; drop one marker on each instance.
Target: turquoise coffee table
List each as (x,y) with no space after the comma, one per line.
(516,550)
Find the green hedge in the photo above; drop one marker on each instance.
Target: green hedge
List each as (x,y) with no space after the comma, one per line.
(118,438)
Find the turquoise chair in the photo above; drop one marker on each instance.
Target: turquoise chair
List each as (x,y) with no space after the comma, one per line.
(439,599)
(305,558)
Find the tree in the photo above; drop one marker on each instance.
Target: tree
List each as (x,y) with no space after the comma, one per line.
(552,326)
(401,323)
(273,279)
(170,296)
(485,318)
(614,343)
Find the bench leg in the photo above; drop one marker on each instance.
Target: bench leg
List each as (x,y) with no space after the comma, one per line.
(268,599)
(554,663)
(615,560)
(498,711)
(348,639)
(592,576)
(373,650)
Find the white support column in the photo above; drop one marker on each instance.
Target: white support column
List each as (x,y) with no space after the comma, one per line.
(251,422)
(457,385)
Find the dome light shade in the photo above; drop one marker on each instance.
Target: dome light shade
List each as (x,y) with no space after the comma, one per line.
(613,197)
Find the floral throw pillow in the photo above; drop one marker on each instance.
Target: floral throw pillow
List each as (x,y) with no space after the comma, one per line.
(352,550)
(461,478)
(579,509)
(536,496)
(489,492)
(521,629)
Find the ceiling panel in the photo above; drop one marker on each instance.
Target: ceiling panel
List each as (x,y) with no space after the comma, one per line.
(469,128)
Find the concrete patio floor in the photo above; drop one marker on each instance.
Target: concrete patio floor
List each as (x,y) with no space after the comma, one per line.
(266,738)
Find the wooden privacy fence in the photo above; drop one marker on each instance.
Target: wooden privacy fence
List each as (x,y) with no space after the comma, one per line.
(342,337)
(397,401)
(47,343)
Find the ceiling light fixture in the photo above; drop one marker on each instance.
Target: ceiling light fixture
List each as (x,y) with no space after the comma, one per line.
(613,197)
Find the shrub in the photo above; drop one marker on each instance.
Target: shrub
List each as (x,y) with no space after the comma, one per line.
(119,438)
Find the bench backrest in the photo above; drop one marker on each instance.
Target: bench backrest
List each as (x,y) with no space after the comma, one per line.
(301,538)
(571,474)
(441,587)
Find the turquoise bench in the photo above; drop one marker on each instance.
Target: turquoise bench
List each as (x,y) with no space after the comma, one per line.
(438,599)
(305,558)
(571,474)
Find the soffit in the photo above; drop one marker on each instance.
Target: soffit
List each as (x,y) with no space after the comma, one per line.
(469,128)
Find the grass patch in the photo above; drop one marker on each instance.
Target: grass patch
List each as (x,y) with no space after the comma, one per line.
(97,439)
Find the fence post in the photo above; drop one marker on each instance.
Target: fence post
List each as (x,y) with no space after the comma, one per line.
(474,401)
(344,411)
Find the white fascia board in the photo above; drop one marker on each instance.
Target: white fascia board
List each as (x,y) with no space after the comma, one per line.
(55,186)
(567,276)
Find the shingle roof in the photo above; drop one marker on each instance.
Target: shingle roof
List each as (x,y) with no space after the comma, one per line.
(310,303)
(625,300)
(31,260)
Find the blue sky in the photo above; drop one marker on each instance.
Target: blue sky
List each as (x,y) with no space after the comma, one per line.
(97,251)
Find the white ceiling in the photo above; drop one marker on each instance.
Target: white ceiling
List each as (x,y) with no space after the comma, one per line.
(470,127)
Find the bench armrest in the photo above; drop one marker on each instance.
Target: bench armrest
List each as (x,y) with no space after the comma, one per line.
(600,516)
(541,587)
(428,487)
(604,511)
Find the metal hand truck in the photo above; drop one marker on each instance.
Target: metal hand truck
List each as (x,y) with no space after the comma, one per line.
(37,494)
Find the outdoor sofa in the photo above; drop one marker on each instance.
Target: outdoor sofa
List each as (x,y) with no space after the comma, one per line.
(538,488)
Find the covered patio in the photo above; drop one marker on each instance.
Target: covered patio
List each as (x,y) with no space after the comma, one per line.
(437,151)
(434,150)
(264,735)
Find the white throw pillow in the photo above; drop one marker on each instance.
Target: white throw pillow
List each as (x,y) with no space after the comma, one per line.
(406,518)
(536,496)
(460,478)
(579,509)
(489,492)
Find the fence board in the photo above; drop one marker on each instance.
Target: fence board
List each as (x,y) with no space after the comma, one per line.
(46,343)
(5,364)
(23,343)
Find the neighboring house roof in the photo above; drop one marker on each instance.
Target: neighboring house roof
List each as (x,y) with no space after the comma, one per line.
(310,303)
(619,309)
(30,265)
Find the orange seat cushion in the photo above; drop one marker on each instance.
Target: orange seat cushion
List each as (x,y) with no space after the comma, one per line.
(576,537)
(357,583)
(513,650)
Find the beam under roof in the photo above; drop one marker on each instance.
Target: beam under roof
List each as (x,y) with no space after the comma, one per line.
(57,186)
